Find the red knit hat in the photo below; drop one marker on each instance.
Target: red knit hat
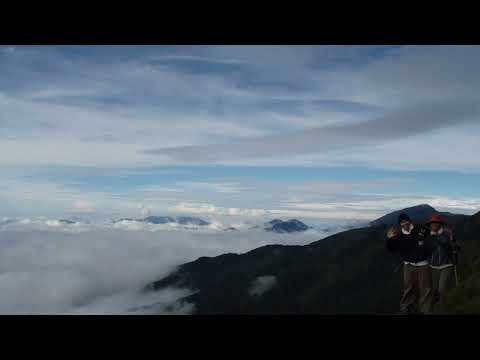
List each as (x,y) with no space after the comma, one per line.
(435,219)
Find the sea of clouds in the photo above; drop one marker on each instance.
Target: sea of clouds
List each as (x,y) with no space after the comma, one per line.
(49,267)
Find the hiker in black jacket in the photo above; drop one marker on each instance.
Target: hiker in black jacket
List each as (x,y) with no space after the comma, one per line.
(443,257)
(410,244)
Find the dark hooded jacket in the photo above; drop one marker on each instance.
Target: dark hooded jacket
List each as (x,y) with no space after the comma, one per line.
(443,246)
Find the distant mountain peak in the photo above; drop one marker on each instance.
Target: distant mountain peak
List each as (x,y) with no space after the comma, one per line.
(182,220)
(6,221)
(289,226)
(420,206)
(158,219)
(66,221)
(274,221)
(417,213)
(189,220)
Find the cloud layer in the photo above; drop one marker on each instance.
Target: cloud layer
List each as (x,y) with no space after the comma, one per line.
(418,121)
(114,106)
(57,271)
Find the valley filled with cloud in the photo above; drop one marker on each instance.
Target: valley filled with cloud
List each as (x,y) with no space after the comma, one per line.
(52,267)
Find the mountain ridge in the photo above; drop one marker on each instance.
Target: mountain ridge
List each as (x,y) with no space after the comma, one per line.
(348,272)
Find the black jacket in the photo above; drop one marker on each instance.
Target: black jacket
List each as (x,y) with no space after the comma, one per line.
(444,246)
(412,247)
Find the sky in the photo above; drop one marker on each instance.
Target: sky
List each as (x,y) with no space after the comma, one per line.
(311,132)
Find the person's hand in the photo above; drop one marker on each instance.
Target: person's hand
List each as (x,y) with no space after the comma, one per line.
(423,231)
(392,232)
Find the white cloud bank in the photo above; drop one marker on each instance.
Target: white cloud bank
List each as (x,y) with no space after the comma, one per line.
(262,284)
(53,270)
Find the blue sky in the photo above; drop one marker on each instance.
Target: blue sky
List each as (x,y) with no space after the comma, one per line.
(312,132)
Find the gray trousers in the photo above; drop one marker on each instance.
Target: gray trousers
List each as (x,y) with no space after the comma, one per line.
(443,281)
(417,297)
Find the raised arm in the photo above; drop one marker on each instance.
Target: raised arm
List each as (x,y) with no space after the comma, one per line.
(392,239)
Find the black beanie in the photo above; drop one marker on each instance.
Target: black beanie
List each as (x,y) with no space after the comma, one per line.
(403,217)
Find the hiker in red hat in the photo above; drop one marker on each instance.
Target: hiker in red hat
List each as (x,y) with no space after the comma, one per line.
(443,258)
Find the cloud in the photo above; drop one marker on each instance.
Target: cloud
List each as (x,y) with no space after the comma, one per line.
(191,64)
(403,123)
(262,284)
(101,138)
(109,106)
(162,302)
(146,211)
(210,209)
(371,205)
(227,198)
(220,187)
(117,109)
(8,49)
(101,271)
(83,206)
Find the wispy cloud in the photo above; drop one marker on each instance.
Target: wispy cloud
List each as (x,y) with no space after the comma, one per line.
(8,49)
(83,206)
(131,106)
(400,124)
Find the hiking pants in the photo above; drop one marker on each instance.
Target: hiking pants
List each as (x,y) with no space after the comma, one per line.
(417,297)
(443,281)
